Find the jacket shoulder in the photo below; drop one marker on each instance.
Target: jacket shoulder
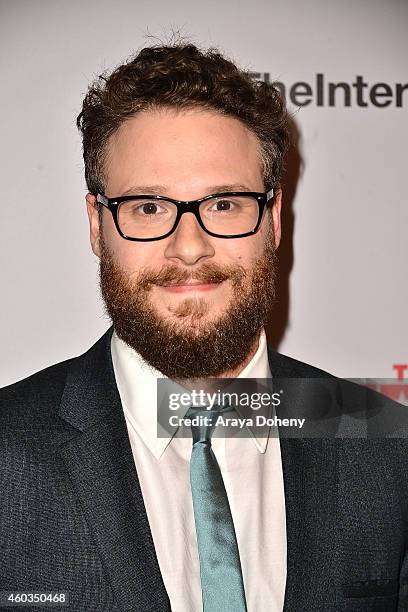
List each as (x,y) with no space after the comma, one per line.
(29,401)
(288,367)
(34,401)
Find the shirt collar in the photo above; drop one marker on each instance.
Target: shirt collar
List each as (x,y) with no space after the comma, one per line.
(137,385)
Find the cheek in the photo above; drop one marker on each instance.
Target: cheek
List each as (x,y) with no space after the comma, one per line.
(245,250)
(136,256)
(130,256)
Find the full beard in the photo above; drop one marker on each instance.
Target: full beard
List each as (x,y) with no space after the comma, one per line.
(187,345)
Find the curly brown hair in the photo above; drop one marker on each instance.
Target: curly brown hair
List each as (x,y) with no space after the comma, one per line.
(181,76)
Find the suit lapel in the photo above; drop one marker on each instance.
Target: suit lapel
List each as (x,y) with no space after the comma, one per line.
(100,463)
(310,476)
(310,482)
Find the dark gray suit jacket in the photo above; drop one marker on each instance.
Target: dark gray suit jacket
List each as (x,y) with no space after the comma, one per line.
(72,516)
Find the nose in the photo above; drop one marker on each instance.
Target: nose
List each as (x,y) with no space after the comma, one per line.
(189,243)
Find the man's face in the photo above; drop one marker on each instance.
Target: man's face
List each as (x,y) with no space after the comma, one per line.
(187,330)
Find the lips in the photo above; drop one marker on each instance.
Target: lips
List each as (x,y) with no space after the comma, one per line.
(190,286)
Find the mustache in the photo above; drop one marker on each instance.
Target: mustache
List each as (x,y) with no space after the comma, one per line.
(206,274)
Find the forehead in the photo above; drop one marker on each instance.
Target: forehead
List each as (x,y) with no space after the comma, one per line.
(186,150)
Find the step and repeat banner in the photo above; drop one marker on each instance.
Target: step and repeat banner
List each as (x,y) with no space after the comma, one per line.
(342,68)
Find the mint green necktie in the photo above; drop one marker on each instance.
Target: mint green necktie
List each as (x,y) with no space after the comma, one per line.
(220,567)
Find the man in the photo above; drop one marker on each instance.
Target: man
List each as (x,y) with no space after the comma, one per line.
(183,159)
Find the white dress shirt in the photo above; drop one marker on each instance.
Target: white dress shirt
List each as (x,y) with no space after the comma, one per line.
(252,472)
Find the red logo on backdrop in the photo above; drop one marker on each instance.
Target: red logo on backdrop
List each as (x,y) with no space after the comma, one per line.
(396,390)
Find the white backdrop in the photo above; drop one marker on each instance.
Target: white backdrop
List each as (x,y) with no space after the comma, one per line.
(348,285)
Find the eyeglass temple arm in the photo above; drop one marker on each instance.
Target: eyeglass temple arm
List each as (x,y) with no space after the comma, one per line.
(101,199)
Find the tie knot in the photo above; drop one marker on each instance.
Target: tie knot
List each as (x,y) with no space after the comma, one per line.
(204,420)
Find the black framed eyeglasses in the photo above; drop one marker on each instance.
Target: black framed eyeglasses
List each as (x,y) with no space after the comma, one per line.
(232,214)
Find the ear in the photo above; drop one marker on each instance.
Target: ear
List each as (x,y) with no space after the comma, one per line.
(94,225)
(276,217)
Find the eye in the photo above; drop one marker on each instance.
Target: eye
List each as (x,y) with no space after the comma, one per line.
(144,208)
(149,208)
(222,205)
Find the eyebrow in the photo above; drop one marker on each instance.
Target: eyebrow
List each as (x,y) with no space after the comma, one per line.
(162,190)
